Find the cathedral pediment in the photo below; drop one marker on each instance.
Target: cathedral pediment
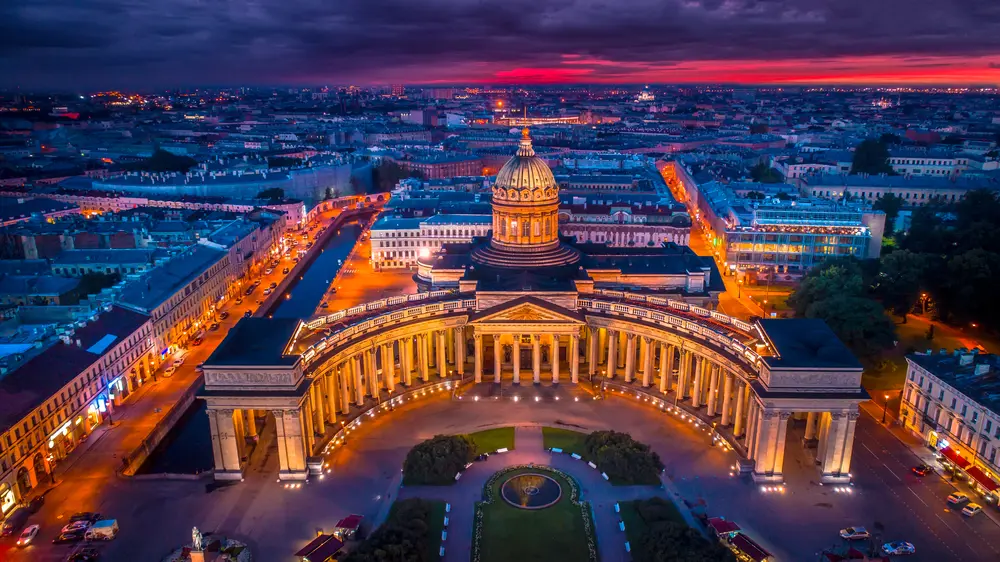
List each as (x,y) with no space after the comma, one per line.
(526,310)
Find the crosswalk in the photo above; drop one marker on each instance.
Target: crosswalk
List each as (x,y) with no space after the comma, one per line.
(349,270)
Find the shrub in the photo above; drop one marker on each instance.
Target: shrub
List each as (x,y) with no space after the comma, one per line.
(663,535)
(622,458)
(403,537)
(437,460)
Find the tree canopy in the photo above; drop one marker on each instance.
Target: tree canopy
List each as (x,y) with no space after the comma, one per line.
(404,537)
(664,536)
(273,193)
(622,458)
(765,174)
(387,175)
(437,460)
(871,157)
(164,161)
(889,204)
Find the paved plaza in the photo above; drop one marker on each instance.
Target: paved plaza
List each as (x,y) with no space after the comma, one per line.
(157,515)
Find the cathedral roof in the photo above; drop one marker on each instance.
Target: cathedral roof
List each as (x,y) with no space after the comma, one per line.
(525,170)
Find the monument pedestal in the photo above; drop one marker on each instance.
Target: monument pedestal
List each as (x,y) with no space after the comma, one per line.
(202,556)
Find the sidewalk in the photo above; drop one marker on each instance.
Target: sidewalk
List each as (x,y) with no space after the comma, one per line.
(923,453)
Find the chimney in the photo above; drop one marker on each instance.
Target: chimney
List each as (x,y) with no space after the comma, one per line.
(982,368)
(965,359)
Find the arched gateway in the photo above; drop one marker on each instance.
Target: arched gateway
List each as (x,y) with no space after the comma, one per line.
(525,307)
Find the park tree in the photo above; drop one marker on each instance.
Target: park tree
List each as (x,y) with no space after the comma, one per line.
(899,280)
(765,174)
(859,322)
(889,204)
(623,459)
(871,157)
(759,128)
(388,174)
(437,460)
(833,278)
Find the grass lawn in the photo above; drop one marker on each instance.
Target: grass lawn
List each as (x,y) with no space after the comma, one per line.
(634,524)
(434,528)
(490,440)
(543,535)
(565,439)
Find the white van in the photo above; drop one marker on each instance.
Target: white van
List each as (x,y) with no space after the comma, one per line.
(102,530)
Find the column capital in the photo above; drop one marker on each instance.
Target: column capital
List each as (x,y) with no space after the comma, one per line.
(784,416)
(647,339)
(477,336)
(536,337)
(496,337)
(278,413)
(575,337)
(612,332)
(630,336)
(853,416)
(226,411)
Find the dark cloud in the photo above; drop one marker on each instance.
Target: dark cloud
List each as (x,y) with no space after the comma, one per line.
(97,43)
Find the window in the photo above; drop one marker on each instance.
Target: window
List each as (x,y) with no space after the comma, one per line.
(965,409)
(954,402)
(989,426)
(975,415)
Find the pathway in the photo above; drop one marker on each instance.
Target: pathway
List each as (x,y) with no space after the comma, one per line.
(529,449)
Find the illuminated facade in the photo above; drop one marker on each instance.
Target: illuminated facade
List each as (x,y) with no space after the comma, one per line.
(527,307)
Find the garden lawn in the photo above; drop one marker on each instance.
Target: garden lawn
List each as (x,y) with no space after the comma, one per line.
(555,533)
(566,439)
(490,440)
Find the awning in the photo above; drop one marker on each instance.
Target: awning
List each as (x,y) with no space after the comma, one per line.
(721,526)
(749,547)
(325,552)
(981,477)
(954,457)
(313,545)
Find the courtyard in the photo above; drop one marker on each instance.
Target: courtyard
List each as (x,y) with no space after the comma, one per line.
(157,514)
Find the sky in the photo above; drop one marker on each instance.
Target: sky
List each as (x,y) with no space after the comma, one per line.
(135,44)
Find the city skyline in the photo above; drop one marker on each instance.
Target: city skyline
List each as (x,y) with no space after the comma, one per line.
(117,44)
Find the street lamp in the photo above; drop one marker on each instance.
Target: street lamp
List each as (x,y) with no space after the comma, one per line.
(885,408)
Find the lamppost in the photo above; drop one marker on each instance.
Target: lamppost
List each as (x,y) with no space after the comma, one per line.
(885,407)
(739,288)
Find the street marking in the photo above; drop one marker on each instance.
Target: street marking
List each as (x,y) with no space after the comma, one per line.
(892,472)
(918,497)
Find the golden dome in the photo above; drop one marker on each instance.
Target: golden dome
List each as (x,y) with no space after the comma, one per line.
(525,177)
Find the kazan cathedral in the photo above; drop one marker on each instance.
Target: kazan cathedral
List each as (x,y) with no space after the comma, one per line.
(525,307)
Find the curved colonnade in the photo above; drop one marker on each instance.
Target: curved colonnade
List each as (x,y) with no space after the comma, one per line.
(337,366)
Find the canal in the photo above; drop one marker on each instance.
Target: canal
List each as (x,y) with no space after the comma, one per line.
(187,448)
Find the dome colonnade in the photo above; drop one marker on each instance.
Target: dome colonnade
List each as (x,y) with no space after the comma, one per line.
(313,378)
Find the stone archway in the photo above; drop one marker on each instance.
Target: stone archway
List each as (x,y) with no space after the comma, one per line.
(40,468)
(23,481)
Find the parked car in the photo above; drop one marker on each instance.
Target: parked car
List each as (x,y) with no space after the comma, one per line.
(104,530)
(285,271)
(213,327)
(248,314)
(273,285)
(71,536)
(35,504)
(972,509)
(922,470)
(898,548)
(76,526)
(88,516)
(27,535)
(854,533)
(268,271)
(268,291)
(15,522)
(86,555)
(197,341)
(200,367)
(178,361)
(169,371)
(239,301)
(482,457)
(958,498)
(224,314)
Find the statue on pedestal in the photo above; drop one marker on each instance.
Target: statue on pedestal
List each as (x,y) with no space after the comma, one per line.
(196,539)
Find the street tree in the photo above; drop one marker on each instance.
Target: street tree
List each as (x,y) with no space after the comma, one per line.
(871,157)
(899,280)
(859,322)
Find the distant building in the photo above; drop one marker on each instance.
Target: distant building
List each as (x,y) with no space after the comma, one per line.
(13,212)
(915,191)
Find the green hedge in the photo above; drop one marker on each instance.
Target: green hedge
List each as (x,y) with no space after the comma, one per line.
(412,533)
(657,531)
(436,461)
(623,459)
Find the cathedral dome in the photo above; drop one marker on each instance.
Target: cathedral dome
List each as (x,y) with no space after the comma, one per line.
(525,177)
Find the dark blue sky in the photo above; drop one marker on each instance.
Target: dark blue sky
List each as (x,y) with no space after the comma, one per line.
(90,44)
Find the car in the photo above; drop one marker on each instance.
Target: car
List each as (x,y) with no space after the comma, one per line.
(35,504)
(14,522)
(72,536)
(273,285)
(86,555)
(268,291)
(325,305)
(178,362)
(285,271)
(88,516)
(27,535)
(972,509)
(213,327)
(922,470)
(898,548)
(268,271)
(333,291)
(248,314)
(224,314)
(854,533)
(196,342)
(239,301)
(958,498)
(482,457)
(260,302)
(75,524)
(169,371)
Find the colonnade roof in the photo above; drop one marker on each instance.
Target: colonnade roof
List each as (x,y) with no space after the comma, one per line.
(805,343)
(256,341)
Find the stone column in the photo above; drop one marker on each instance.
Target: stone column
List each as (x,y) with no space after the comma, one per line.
(294,445)
(612,352)
(769,445)
(406,360)
(478,367)
(305,422)
(699,364)
(217,454)
(460,350)
(555,358)
(713,389)
(603,345)
(228,441)
(727,395)
(330,379)
(536,359)
(449,344)
(250,422)
(666,367)
(740,401)
(591,351)
(837,445)
(684,374)
(425,357)
(359,390)
(647,361)
(345,396)
(516,357)
(640,358)
(442,364)
(496,358)
(629,357)
(279,429)
(751,426)
(316,398)
(574,358)
(389,367)
(811,425)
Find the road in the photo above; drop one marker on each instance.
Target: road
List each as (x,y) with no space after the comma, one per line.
(86,479)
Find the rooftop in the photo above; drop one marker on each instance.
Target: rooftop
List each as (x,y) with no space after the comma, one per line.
(805,343)
(160,283)
(256,341)
(976,375)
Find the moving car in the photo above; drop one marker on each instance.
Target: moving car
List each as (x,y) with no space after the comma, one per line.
(971,509)
(239,301)
(169,371)
(957,498)
(273,285)
(196,342)
(105,530)
(898,548)
(922,470)
(86,555)
(854,533)
(224,314)
(27,535)
(178,361)
(285,271)
(213,327)
(14,522)
(268,271)
(248,314)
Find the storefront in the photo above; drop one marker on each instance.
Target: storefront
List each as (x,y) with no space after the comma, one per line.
(7,501)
